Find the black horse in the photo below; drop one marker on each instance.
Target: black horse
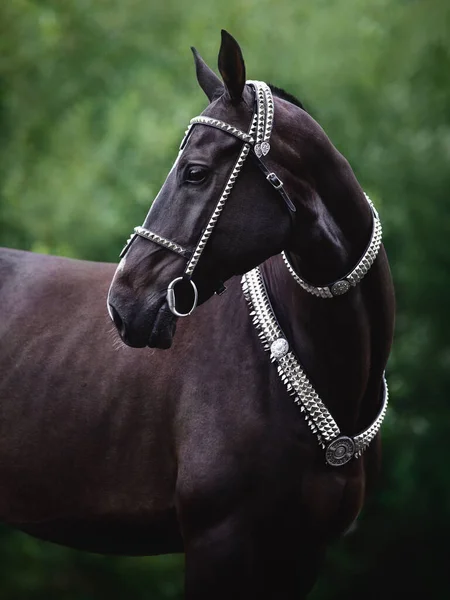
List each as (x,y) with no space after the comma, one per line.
(200,449)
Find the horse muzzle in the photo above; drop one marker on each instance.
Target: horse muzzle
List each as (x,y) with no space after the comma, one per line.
(153,327)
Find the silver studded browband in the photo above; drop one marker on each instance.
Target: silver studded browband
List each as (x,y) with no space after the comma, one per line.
(352,278)
(245,137)
(339,449)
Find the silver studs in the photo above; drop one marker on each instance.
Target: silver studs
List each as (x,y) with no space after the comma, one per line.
(318,417)
(149,235)
(279,348)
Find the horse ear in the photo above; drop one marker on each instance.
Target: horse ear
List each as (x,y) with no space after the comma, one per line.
(232,67)
(207,79)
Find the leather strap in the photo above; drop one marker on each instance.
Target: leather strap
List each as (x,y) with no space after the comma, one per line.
(275,182)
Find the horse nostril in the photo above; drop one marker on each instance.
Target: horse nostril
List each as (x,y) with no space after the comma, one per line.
(118,322)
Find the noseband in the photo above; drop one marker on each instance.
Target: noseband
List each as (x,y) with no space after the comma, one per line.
(339,449)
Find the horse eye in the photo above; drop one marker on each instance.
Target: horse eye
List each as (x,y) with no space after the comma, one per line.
(196,174)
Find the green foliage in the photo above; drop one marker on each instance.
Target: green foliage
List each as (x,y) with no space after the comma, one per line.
(35,570)
(94,98)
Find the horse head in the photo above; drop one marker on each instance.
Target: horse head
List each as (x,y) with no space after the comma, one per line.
(253,225)
(220,214)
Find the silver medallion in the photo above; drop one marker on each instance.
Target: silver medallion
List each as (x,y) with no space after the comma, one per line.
(258,150)
(340,451)
(265,147)
(279,348)
(340,287)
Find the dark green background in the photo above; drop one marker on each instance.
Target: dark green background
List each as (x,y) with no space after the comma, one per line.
(94,99)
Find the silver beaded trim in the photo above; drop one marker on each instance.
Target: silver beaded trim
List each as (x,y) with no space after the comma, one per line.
(269,112)
(245,137)
(162,241)
(371,253)
(265,113)
(353,277)
(260,102)
(293,376)
(185,137)
(363,439)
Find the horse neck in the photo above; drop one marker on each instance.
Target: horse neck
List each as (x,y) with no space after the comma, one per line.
(331,337)
(333,225)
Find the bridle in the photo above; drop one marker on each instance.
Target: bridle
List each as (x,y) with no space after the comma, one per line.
(339,449)
(257,142)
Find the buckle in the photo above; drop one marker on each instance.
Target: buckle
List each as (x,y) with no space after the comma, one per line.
(221,289)
(274,180)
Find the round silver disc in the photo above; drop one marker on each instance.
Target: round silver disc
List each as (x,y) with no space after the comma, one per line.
(279,348)
(340,287)
(340,451)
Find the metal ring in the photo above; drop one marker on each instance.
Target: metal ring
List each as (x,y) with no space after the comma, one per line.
(171,297)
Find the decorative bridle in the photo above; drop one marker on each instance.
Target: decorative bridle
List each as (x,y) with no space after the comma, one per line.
(257,140)
(339,449)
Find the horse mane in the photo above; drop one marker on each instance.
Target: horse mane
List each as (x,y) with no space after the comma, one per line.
(286,96)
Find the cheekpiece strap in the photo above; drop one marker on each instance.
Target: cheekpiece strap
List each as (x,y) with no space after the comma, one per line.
(247,138)
(275,182)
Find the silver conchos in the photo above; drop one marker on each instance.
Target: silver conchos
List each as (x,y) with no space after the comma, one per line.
(265,147)
(279,348)
(340,287)
(340,451)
